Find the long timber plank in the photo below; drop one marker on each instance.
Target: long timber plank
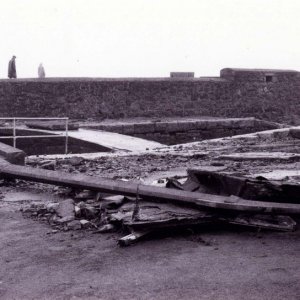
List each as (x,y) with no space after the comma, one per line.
(147,192)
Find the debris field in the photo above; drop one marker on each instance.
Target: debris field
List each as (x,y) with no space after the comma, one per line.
(249,180)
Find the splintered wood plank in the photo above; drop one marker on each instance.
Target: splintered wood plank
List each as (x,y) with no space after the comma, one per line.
(151,193)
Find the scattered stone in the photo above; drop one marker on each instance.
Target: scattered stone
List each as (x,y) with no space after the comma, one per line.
(48,166)
(53,231)
(51,207)
(43,162)
(74,225)
(85,194)
(87,211)
(65,219)
(77,211)
(106,228)
(85,223)
(75,161)
(66,209)
(113,202)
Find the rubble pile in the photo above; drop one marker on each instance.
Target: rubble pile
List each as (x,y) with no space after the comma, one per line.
(235,192)
(117,167)
(68,214)
(138,218)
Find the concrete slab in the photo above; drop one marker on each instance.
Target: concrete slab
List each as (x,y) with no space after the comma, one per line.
(294,175)
(12,155)
(261,156)
(114,141)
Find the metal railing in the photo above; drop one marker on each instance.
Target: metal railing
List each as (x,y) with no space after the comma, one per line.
(15,136)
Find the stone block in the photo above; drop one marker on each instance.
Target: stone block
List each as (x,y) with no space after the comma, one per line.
(12,155)
(201,124)
(295,133)
(242,123)
(161,127)
(173,127)
(144,127)
(128,129)
(184,126)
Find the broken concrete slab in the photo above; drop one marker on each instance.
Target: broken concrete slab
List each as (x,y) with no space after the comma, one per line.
(261,156)
(84,195)
(271,222)
(113,202)
(232,183)
(114,141)
(12,154)
(48,165)
(158,215)
(106,228)
(280,175)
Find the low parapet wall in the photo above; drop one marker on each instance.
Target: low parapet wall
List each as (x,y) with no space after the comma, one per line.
(184,131)
(264,94)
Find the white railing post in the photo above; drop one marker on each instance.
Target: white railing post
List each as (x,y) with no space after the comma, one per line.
(66,142)
(14,132)
(14,136)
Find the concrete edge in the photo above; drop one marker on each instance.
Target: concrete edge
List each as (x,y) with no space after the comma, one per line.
(12,155)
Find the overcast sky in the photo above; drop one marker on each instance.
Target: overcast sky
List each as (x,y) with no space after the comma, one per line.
(148,38)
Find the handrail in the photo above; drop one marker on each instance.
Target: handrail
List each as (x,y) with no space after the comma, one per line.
(14,136)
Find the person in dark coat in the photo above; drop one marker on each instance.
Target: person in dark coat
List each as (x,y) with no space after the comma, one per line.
(41,71)
(12,73)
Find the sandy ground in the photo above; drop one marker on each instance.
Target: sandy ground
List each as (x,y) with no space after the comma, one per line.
(209,263)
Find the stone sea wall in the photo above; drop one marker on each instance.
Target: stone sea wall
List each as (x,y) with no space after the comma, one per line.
(264,94)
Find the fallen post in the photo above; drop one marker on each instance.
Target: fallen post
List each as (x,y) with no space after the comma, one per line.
(146,192)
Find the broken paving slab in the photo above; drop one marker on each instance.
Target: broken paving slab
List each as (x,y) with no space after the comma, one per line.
(284,156)
(244,186)
(157,216)
(271,222)
(280,174)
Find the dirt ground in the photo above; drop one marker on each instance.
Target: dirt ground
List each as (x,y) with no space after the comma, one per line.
(211,262)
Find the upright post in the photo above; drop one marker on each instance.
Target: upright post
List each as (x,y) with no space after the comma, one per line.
(14,132)
(66,141)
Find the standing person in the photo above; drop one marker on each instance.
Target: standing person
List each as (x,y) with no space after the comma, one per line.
(12,73)
(41,71)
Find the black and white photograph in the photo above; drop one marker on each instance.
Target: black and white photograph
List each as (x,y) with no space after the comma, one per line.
(150,149)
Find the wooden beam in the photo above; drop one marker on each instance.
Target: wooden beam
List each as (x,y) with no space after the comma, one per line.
(147,192)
